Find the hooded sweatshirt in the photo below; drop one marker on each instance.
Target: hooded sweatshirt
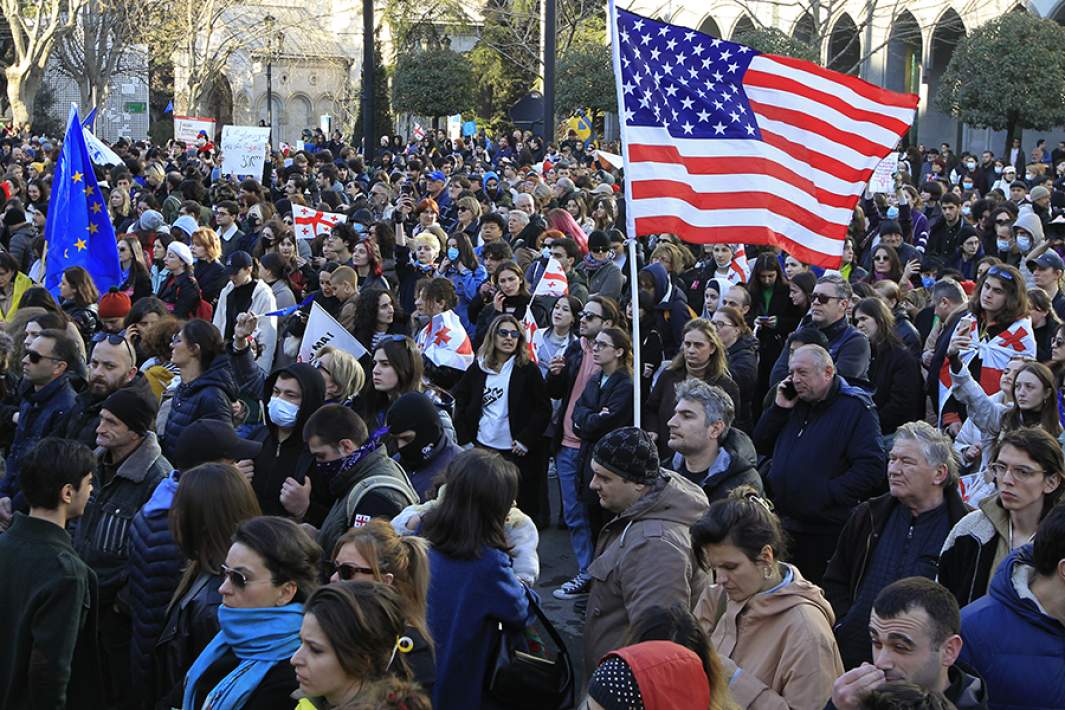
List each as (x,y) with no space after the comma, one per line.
(671,308)
(777,647)
(643,559)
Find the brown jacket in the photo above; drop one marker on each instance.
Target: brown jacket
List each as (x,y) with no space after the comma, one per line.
(643,559)
(777,647)
(347,314)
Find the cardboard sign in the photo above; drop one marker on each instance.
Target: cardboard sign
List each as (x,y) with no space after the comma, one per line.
(244,149)
(323,329)
(883,179)
(186,128)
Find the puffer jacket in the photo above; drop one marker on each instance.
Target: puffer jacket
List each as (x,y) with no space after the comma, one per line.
(741,469)
(379,501)
(209,396)
(643,559)
(658,409)
(743,369)
(1013,643)
(102,535)
(155,565)
(84,417)
(973,550)
(777,646)
(41,414)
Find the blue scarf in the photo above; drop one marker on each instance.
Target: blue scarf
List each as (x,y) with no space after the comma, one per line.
(259,638)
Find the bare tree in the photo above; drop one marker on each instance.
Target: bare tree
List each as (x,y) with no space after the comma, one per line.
(101,45)
(35,29)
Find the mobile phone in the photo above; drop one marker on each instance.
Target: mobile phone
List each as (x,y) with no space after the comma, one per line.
(406,189)
(789,390)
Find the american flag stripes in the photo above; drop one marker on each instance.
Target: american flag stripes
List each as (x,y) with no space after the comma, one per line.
(725,144)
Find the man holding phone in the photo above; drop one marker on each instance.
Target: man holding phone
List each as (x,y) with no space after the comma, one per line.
(824,439)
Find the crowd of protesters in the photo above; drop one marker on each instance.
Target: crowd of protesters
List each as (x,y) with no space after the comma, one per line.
(843,492)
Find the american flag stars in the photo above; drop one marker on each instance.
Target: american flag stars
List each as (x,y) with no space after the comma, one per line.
(683,81)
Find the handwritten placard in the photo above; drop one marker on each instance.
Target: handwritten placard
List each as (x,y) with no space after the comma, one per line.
(244,149)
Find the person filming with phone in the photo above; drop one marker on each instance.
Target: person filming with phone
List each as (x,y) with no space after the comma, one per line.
(824,439)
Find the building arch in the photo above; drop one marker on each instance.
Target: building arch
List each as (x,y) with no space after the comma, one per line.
(744,24)
(301,111)
(948,31)
(710,27)
(844,46)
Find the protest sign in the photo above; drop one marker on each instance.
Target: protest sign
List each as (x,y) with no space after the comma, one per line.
(186,128)
(322,329)
(244,149)
(883,179)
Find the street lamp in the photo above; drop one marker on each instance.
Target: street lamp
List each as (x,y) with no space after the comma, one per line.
(270,20)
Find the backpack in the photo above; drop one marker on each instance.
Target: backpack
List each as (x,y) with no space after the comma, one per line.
(384,481)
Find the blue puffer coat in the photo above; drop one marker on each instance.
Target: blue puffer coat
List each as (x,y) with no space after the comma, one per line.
(41,414)
(155,564)
(1018,649)
(209,396)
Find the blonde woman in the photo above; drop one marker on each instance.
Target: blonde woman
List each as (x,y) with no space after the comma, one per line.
(209,272)
(343,375)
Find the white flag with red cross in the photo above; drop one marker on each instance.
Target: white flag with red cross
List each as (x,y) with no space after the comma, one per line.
(418,131)
(445,343)
(553,282)
(739,269)
(529,324)
(308,223)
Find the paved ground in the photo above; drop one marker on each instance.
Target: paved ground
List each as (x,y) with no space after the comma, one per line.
(557,565)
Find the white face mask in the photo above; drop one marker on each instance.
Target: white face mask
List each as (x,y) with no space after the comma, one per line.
(282,412)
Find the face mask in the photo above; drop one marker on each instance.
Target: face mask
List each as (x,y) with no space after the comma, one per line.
(971,165)
(282,412)
(998,170)
(966,210)
(967,185)
(1024,243)
(892,212)
(545,253)
(1002,244)
(928,281)
(328,469)
(452,254)
(1029,176)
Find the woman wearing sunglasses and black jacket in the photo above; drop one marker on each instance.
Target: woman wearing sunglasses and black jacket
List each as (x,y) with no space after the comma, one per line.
(210,504)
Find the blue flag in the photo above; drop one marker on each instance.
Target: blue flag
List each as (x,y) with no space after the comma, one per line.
(90,121)
(169,107)
(285,312)
(78,231)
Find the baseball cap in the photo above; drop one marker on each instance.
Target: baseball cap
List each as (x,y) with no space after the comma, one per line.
(238,260)
(1047,260)
(210,440)
(438,176)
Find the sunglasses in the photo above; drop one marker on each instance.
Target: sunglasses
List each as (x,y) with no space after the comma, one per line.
(508,333)
(237,578)
(115,339)
(1000,273)
(585,315)
(347,571)
(823,298)
(35,357)
(1005,222)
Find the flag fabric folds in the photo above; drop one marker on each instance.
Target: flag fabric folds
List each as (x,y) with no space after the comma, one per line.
(445,343)
(309,223)
(323,329)
(723,143)
(553,282)
(78,231)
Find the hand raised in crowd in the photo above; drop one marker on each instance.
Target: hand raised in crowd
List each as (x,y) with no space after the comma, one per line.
(557,365)
(519,448)
(851,687)
(912,268)
(782,400)
(962,338)
(497,301)
(296,497)
(243,329)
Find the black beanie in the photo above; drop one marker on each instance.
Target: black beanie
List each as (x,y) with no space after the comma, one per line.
(629,453)
(135,411)
(598,238)
(415,412)
(13,216)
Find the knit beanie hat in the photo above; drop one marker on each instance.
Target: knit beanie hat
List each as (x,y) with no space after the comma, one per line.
(629,453)
(614,686)
(134,410)
(181,251)
(598,240)
(186,224)
(13,216)
(151,221)
(114,304)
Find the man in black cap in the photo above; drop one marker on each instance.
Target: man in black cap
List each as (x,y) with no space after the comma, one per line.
(422,446)
(130,465)
(603,275)
(155,561)
(245,293)
(643,556)
(1046,268)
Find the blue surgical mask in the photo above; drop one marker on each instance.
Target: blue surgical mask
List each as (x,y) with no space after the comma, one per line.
(1002,244)
(966,210)
(452,254)
(360,228)
(892,212)
(928,281)
(1024,244)
(546,252)
(283,413)
(967,186)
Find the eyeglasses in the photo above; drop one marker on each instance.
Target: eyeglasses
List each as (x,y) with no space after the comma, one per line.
(998,470)
(237,578)
(599,345)
(721,324)
(35,357)
(881,257)
(464,209)
(1000,273)
(115,339)
(1004,222)
(508,333)
(588,315)
(823,298)
(600,250)
(347,571)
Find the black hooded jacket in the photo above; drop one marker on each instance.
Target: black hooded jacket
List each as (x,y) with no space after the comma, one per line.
(288,458)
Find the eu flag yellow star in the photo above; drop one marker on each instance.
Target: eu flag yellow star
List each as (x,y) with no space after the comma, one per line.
(77,177)
(96,207)
(88,191)
(93,228)
(81,245)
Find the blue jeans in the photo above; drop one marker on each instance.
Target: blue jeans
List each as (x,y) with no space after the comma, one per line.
(573,510)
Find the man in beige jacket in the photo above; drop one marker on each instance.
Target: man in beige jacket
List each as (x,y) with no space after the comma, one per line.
(643,556)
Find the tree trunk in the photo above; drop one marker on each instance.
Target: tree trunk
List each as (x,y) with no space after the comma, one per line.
(1011,128)
(22,89)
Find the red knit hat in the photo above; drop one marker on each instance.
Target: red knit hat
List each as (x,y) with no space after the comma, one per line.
(115,304)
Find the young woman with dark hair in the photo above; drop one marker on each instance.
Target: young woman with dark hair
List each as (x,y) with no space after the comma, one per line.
(501,405)
(377,315)
(895,373)
(467,542)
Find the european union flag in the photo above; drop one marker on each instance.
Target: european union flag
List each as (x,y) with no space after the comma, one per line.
(78,230)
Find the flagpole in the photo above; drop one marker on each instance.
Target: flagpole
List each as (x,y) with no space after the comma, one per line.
(634,294)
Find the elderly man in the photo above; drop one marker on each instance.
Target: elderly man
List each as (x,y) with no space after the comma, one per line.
(709,451)
(896,535)
(824,439)
(830,304)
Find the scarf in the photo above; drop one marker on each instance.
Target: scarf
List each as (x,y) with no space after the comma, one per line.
(259,638)
(590,262)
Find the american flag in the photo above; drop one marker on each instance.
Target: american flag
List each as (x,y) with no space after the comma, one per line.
(725,144)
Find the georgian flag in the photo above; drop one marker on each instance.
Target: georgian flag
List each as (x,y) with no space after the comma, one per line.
(739,269)
(995,354)
(309,223)
(553,282)
(445,343)
(531,329)
(418,131)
